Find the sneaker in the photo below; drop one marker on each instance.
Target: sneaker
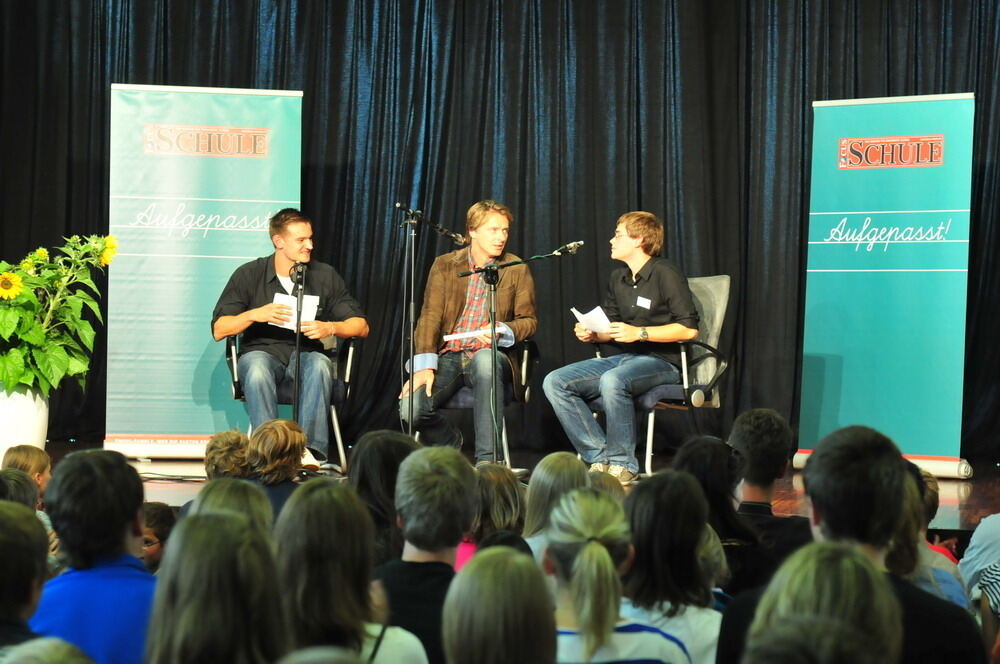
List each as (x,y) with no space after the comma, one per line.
(598,468)
(622,474)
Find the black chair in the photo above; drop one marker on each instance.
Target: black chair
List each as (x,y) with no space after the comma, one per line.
(341,350)
(702,364)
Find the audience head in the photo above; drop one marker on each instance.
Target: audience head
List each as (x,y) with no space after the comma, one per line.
(553,477)
(499,610)
(322,655)
(834,581)
(275,449)
(17,486)
(765,440)
(854,479)
(95,503)
(229,494)
(589,545)
(33,460)
(811,639)
(159,520)
(48,650)
(325,539)
(24,548)
(226,455)
(903,556)
(501,501)
(508,538)
(216,597)
(718,469)
(435,498)
(667,514)
(712,558)
(374,467)
(609,484)
(931,496)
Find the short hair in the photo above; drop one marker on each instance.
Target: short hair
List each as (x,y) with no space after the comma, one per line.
(160,518)
(588,538)
(93,497)
(17,486)
(854,479)
(931,496)
(28,458)
(216,597)
(475,216)
(644,225)
(435,497)
(501,501)
(226,455)
(554,476)
(279,222)
(24,549)
(667,514)
(275,449)
(811,639)
(499,610)
(46,650)
(230,494)
(835,581)
(764,439)
(325,539)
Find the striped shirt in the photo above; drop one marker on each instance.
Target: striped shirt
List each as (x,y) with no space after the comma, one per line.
(630,643)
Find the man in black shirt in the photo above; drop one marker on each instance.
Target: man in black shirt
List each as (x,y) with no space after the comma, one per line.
(248,306)
(650,308)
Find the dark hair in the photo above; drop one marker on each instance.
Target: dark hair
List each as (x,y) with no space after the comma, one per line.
(160,518)
(667,515)
(505,538)
(718,469)
(854,479)
(374,467)
(92,498)
(282,218)
(24,549)
(764,439)
(17,486)
(325,540)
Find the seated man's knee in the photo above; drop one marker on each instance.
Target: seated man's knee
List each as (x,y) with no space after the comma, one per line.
(317,366)
(553,384)
(611,383)
(421,410)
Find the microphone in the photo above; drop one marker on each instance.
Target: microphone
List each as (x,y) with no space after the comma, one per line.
(570,248)
(455,237)
(298,269)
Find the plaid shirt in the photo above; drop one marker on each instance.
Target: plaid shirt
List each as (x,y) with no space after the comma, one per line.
(475,316)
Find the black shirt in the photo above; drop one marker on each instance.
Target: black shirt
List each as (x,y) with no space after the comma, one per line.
(254,284)
(659,295)
(416,593)
(781,535)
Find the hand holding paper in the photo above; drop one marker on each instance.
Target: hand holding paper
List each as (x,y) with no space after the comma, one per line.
(310,304)
(594,320)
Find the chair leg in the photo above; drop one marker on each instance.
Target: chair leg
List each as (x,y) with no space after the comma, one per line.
(506,447)
(649,442)
(340,440)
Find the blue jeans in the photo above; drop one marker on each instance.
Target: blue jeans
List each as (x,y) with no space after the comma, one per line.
(617,379)
(454,371)
(263,375)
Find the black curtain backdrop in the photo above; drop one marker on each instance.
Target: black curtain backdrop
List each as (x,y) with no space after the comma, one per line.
(570,111)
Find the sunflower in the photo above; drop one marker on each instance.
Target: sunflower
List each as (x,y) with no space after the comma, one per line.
(107,256)
(111,242)
(42,254)
(28,267)
(10,286)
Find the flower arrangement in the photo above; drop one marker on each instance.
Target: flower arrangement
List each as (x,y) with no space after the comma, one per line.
(44,336)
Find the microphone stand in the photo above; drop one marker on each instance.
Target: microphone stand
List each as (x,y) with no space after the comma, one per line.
(298,275)
(491,276)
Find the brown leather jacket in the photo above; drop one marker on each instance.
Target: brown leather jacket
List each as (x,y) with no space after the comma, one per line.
(444,300)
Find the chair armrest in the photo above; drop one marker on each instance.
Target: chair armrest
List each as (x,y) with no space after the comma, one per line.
(723,362)
(232,354)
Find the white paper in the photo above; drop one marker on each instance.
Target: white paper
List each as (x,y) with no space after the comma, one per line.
(310,304)
(594,320)
(473,333)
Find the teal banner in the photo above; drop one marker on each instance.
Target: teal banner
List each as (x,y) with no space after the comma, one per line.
(195,175)
(887,269)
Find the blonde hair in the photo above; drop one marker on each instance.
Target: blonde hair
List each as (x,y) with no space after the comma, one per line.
(46,650)
(501,501)
(229,494)
(607,483)
(275,449)
(28,458)
(835,581)
(475,216)
(712,558)
(588,540)
(498,610)
(226,455)
(554,475)
(644,225)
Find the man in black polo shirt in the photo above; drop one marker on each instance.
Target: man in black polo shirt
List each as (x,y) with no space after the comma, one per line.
(650,308)
(248,306)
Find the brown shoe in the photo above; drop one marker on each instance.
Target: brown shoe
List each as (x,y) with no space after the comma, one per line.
(622,474)
(598,468)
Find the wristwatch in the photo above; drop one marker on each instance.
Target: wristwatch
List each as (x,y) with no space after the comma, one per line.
(643,334)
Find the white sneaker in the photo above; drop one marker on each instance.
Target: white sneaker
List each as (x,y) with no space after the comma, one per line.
(598,468)
(622,474)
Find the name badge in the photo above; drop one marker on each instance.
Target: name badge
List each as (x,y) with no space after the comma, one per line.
(643,302)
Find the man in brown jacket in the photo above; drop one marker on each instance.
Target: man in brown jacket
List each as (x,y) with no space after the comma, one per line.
(456,305)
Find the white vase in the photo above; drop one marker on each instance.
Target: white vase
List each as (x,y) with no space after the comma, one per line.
(24,419)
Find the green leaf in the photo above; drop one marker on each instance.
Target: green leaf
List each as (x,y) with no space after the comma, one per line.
(89,283)
(90,302)
(44,386)
(34,335)
(75,305)
(9,318)
(78,364)
(11,368)
(52,363)
(85,331)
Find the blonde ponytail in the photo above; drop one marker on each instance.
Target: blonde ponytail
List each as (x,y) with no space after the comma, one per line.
(589,539)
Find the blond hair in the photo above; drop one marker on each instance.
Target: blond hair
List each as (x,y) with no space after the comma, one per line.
(231,494)
(835,581)
(501,501)
(644,225)
(476,215)
(609,484)
(589,539)
(226,455)
(499,610)
(554,475)
(274,451)
(28,458)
